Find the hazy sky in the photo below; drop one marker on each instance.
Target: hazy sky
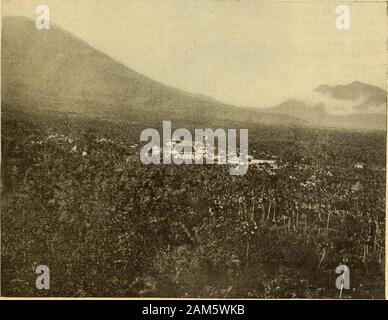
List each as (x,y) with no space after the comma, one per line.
(242,52)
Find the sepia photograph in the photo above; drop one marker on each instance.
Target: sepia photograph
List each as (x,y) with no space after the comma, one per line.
(193,149)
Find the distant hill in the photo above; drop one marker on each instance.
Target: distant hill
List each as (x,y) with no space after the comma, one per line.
(353,106)
(298,108)
(54,70)
(366,94)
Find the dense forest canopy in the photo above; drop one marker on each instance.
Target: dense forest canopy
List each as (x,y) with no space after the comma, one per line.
(76,197)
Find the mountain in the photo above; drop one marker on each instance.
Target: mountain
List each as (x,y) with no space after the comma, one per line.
(54,70)
(297,108)
(353,106)
(365,94)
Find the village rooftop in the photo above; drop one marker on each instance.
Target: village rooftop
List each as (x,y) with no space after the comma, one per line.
(178,147)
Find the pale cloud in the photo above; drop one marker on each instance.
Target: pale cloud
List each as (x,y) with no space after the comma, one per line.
(339,106)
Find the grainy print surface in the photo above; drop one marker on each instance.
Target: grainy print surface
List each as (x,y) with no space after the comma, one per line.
(84,83)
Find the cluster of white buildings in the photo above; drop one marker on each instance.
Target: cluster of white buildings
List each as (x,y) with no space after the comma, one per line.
(209,154)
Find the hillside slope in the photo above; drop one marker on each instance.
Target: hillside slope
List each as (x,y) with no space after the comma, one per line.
(54,70)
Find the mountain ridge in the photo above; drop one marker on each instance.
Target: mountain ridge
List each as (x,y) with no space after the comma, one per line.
(55,70)
(352,106)
(355,90)
(52,69)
